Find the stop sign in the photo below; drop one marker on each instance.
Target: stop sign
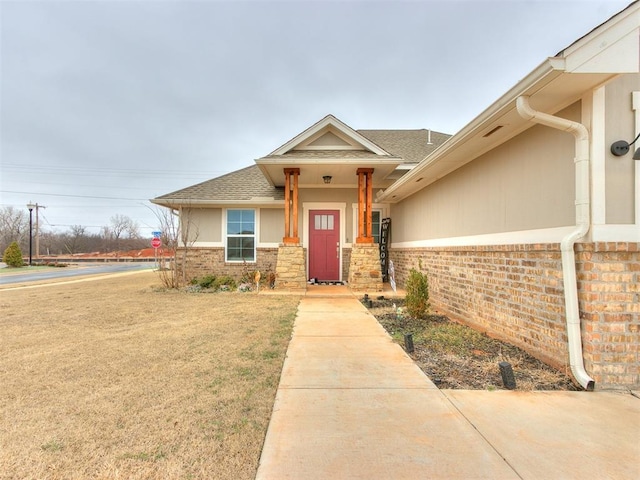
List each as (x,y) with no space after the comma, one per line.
(156,242)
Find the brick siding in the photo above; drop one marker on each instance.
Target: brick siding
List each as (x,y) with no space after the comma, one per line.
(609,296)
(515,293)
(207,261)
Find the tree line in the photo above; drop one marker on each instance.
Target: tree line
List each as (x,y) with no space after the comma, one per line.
(121,234)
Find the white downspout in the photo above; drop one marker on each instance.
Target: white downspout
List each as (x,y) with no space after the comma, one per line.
(581,160)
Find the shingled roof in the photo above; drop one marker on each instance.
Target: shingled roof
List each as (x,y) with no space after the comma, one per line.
(411,145)
(249,184)
(242,186)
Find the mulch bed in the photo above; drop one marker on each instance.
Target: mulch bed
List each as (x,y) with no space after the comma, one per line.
(455,356)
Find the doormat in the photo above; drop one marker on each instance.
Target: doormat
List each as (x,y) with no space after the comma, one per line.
(315,281)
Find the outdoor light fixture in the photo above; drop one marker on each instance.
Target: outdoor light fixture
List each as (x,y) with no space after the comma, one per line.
(30,206)
(327,179)
(621,148)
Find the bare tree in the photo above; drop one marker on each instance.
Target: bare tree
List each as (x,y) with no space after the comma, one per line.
(14,227)
(124,231)
(179,233)
(74,240)
(119,226)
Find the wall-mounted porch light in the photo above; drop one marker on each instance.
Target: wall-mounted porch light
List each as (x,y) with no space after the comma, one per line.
(327,179)
(621,148)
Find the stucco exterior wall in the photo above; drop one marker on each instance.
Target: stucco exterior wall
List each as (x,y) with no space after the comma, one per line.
(205,224)
(620,171)
(271,225)
(525,184)
(330,195)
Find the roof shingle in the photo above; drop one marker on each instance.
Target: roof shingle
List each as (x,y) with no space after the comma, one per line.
(241,185)
(412,145)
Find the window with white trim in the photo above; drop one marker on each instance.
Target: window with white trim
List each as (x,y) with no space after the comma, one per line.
(241,236)
(376,217)
(378,213)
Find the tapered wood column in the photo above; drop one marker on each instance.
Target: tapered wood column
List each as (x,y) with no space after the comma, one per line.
(365,203)
(291,206)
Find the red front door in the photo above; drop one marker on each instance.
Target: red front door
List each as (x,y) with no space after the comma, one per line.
(324,245)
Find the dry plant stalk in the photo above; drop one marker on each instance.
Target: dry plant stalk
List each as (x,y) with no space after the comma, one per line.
(119,378)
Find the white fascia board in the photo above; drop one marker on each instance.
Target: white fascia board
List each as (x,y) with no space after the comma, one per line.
(612,47)
(198,244)
(542,75)
(265,171)
(544,235)
(615,233)
(292,160)
(338,125)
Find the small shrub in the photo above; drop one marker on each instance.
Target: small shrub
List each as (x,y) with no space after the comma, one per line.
(204,282)
(225,283)
(417,300)
(13,255)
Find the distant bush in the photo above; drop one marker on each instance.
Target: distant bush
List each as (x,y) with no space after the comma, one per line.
(225,283)
(13,255)
(417,300)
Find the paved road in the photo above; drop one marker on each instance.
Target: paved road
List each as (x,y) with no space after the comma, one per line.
(73,271)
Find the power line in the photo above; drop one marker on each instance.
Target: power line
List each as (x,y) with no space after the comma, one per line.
(101,171)
(118,187)
(73,196)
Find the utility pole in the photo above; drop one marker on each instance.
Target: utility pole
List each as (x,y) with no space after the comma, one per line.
(38,207)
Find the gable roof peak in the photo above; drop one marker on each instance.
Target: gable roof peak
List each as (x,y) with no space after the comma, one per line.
(351,138)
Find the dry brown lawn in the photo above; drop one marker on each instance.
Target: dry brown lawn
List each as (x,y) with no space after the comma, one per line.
(119,379)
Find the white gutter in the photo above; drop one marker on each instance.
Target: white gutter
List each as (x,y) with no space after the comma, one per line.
(572,312)
(544,74)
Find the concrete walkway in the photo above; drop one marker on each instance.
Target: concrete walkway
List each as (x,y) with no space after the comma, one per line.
(352,405)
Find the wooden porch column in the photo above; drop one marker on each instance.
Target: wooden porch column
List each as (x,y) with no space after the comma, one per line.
(365,203)
(291,206)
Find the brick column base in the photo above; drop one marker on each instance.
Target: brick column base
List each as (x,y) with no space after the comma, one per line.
(364,270)
(290,268)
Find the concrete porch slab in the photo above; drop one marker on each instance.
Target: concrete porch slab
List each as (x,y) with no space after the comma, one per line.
(343,305)
(558,434)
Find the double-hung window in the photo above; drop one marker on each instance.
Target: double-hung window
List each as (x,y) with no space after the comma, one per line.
(241,236)
(375,225)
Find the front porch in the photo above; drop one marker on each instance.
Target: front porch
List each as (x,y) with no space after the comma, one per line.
(294,269)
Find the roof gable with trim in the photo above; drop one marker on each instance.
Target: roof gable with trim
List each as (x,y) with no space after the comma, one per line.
(329,148)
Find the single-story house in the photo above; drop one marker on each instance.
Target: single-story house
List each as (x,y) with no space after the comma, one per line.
(527,221)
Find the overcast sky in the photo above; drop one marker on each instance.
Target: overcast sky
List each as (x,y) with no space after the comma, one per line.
(105,104)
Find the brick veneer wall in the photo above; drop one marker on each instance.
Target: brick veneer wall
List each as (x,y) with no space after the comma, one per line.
(609,296)
(515,293)
(206,261)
